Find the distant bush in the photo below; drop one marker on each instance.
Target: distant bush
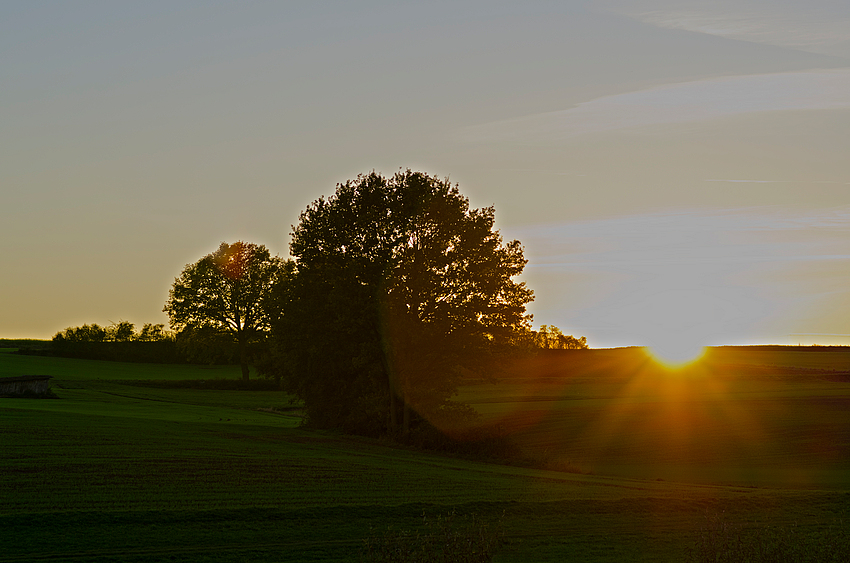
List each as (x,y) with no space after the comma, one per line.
(548,338)
(29,347)
(162,352)
(118,342)
(121,342)
(23,343)
(442,539)
(722,541)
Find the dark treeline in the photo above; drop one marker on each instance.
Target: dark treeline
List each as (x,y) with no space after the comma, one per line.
(123,331)
(116,342)
(551,338)
(18,343)
(121,342)
(396,293)
(161,352)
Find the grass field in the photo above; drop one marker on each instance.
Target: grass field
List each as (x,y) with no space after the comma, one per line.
(744,416)
(115,471)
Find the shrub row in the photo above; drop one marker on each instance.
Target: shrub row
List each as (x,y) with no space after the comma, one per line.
(157,352)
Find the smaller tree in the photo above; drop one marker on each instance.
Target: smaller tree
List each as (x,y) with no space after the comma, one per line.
(226,292)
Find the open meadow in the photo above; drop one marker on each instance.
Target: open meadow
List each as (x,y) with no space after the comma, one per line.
(623,461)
(748,416)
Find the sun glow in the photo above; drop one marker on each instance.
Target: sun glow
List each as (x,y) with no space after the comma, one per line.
(675,354)
(677,324)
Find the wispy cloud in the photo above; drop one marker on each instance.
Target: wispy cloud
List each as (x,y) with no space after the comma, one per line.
(748,181)
(676,103)
(818,334)
(820,27)
(742,181)
(692,237)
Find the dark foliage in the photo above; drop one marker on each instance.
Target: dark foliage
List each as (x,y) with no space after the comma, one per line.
(401,290)
(24,343)
(208,345)
(161,352)
(119,342)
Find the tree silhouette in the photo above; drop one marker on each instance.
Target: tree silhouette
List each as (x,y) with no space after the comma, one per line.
(400,287)
(225,293)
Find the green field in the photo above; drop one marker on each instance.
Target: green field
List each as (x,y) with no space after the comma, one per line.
(743,416)
(115,471)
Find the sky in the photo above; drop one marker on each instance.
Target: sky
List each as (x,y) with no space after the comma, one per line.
(676,170)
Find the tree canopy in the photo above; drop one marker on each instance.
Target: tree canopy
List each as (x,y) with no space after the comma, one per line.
(225,294)
(401,288)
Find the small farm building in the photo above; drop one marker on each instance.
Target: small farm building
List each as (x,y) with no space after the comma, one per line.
(24,385)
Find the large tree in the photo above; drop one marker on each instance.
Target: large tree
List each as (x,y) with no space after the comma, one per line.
(227,293)
(401,288)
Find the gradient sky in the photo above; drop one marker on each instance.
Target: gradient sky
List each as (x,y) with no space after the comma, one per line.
(675,169)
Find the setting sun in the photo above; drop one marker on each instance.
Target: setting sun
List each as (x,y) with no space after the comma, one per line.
(678,323)
(676,353)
